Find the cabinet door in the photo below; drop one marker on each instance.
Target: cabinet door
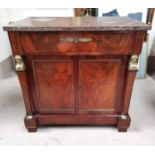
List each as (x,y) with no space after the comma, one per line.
(100,84)
(53,85)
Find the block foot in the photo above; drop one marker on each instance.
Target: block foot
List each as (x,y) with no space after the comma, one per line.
(123,123)
(30,123)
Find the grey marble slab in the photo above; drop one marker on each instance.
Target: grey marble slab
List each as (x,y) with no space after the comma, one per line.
(77,24)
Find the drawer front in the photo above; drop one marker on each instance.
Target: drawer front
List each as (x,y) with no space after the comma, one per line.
(72,43)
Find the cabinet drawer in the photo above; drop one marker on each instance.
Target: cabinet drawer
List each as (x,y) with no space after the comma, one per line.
(72,43)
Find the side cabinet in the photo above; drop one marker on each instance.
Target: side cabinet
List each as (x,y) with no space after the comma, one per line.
(76,78)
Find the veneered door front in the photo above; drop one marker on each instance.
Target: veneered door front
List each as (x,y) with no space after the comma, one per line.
(100,84)
(53,84)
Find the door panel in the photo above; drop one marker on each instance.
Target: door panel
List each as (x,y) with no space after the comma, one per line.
(98,81)
(54,85)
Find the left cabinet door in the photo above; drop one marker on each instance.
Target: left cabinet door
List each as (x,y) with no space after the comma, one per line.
(52,86)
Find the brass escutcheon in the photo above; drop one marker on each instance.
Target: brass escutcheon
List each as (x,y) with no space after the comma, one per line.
(76,39)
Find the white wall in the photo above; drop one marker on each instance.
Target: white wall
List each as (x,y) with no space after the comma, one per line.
(5,50)
(7,15)
(17,14)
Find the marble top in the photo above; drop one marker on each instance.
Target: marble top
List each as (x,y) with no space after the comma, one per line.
(77,24)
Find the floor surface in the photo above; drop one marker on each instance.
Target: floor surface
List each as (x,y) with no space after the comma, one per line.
(141,131)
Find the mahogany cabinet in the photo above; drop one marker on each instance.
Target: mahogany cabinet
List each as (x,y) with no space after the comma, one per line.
(76,70)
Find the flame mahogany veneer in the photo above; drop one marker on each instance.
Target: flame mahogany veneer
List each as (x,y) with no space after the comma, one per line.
(76,81)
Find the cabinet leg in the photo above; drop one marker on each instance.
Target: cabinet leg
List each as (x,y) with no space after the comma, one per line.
(123,123)
(30,123)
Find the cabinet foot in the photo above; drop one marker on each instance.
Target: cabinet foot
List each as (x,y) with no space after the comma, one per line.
(122,129)
(123,123)
(30,123)
(32,129)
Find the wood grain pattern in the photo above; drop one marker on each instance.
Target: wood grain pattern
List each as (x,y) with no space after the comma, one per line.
(98,84)
(26,95)
(15,43)
(22,76)
(54,85)
(34,43)
(128,90)
(138,42)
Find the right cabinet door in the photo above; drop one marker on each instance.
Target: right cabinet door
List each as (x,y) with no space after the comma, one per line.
(101,83)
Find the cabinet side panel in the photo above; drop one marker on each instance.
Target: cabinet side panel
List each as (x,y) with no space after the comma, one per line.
(138,41)
(128,90)
(22,76)
(15,43)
